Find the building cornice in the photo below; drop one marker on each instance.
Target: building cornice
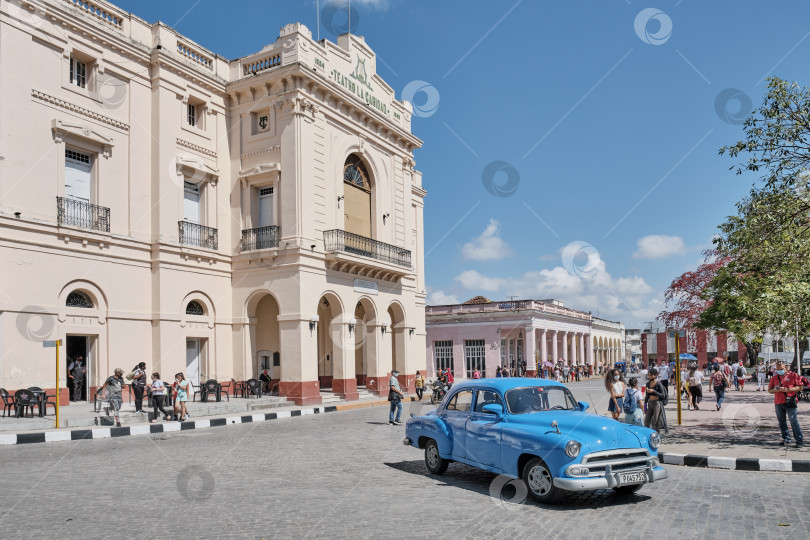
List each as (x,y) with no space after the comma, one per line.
(72,107)
(197,148)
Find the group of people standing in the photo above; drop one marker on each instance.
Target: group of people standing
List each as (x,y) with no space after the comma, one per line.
(112,389)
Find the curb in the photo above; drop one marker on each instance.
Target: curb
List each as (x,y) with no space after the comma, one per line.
(735,464)
(146,429)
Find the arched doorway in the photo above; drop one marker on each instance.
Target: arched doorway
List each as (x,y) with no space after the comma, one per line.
(329,334)
(357,197)
(265,337)
(399,346)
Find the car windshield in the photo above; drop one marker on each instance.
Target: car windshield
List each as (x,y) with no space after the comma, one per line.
(531,399)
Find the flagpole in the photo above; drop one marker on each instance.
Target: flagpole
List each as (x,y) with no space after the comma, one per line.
(318,18)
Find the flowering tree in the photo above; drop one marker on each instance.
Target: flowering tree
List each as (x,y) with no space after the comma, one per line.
(684,298)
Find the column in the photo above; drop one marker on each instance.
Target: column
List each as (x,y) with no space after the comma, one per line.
(581,349)
(589,349)
(344,381)
(574,355)
(554,350)
(299,378)
(529,346)
(564,342)
(543,348)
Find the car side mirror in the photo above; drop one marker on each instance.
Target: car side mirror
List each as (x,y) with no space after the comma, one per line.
(583,405)
(493,408)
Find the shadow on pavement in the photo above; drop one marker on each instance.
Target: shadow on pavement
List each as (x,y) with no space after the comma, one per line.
(463,476)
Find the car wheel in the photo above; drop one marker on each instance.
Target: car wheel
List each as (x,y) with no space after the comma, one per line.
(540,483)
(434,462)
(628,490)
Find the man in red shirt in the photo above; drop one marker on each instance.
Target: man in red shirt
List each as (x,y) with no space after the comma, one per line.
(784,385)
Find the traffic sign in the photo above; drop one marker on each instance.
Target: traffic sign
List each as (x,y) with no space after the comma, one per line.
(53,343)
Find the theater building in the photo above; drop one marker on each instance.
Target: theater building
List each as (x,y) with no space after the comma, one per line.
(482,334)
(161,203)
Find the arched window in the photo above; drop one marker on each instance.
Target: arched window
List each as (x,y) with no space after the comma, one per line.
(357,197)
(194,308)
(79,299)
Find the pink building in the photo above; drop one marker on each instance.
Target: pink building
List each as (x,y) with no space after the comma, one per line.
(481,334)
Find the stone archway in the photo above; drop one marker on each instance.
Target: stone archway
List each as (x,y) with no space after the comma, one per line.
(399,346)
(264,338)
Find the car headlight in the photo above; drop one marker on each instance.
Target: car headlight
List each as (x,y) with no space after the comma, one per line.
(572,448)
(655,440)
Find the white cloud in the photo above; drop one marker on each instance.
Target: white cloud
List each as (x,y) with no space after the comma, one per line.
(488,246)
(440,298)
(627,299)
(659,246)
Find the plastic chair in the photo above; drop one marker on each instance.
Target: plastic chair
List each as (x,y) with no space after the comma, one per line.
(8,402)
(253,386)
(24,399)
(238,388)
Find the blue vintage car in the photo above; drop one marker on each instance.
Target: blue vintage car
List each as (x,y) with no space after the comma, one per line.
(535,430)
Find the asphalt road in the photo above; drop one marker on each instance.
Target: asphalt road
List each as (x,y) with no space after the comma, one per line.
(347,475)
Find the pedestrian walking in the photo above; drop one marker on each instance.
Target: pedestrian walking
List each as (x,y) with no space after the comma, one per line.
(741,374)
(76,372)
(499,372)
(653,401)
(419,384)
(158,396)
(719,383)
(476,374)
(566,371)
(395,397)
(181,386)
(615,386)
(138,385)
(450,378)
(761,385)
(695,387)
(633,405)
(505,372)
(112,390)
(784,385)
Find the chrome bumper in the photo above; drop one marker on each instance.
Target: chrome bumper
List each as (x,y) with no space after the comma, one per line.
(610,480)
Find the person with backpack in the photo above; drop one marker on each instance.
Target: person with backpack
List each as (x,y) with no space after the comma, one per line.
(784,386)
(741,376)
(719,384)
(633,404)
(615,386)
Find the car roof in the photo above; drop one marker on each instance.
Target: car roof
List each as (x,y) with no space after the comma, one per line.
(505,383)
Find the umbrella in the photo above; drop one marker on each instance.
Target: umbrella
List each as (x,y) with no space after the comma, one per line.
(548,364)
(687,356)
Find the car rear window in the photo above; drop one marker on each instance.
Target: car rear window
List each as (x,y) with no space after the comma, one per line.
(461,401)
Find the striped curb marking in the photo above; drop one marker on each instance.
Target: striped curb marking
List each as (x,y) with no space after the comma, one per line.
(735,464)
(108,432)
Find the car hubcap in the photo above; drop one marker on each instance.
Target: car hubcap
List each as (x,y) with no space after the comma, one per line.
(539,480)
(432,456)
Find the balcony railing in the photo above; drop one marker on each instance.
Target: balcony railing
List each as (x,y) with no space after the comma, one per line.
(84,215)
(194,234)
(337,240)
(261,238)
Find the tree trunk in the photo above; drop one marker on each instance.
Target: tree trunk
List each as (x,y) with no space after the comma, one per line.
(753,353)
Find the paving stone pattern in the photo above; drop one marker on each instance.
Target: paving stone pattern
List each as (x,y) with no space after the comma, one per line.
(347,475)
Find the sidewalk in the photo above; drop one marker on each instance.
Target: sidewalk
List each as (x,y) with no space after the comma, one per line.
(79,421)
(745,428)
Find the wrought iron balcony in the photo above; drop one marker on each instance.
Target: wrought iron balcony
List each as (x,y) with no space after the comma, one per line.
(194,234)
(260,238)
(84,215)
(338,240)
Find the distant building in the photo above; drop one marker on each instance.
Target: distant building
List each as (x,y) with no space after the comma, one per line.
(483,334)
(703,344)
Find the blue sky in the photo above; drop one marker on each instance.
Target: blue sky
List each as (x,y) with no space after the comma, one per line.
(600,120)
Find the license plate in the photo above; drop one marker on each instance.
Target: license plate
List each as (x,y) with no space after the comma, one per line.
(632,478)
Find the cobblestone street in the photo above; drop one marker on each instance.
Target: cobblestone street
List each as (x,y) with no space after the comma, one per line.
(347,475)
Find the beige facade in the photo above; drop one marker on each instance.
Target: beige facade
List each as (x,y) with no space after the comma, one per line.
(160,203)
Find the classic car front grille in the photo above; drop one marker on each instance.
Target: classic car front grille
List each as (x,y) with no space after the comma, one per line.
(625,459)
